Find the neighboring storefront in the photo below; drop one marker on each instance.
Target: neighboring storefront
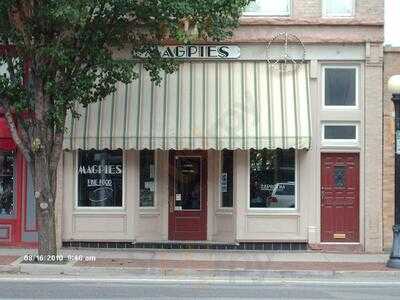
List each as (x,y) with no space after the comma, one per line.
(17,207)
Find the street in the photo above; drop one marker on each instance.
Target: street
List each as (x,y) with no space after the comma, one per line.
(73,288)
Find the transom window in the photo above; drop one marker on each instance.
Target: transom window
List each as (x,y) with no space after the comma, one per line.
(100,178)
(340,134)
(269,8)
(338,8)
(340,86)
(147,178)
(272,179)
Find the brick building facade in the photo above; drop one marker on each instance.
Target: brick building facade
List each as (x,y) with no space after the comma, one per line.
(236,150)
(391,67)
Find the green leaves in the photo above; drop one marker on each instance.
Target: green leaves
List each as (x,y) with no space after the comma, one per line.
(71,45)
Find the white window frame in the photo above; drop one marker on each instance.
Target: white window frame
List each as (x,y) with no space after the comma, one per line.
(340,142)
(116,208)
(155,182)
(264,14)
(219,183)
(356,106)
(325,13)
(296,187)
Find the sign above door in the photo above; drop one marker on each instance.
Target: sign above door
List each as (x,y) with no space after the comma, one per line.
(200,51)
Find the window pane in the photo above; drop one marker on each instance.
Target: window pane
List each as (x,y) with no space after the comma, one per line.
(272,178)
(7,168)
(340,132)
(268,7)
(188,183)
(340,87)
(339,7)
(227,178)
(147,173)
(100,178)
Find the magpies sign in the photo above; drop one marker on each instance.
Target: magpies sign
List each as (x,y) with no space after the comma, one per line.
(200,52)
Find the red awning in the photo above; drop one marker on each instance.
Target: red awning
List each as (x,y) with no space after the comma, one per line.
(6,141)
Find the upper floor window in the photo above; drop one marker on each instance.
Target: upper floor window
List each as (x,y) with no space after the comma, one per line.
(269,8)
(338,8)
(340,87)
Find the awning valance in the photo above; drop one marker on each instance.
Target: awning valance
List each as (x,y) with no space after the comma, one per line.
(204,105)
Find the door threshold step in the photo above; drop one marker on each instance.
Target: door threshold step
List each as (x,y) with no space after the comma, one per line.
(190,245)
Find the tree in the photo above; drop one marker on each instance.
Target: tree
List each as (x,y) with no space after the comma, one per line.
(60,54)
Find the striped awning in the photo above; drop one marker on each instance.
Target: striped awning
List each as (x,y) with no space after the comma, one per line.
(204,105)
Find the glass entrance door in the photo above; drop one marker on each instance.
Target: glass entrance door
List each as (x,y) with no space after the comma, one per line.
(188,192)
(188,183)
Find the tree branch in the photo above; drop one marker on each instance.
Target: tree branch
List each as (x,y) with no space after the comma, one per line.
(14,133)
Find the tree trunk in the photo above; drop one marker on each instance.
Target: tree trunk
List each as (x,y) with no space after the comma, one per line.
(44,178)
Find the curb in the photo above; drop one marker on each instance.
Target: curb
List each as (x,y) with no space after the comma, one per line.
(167,273)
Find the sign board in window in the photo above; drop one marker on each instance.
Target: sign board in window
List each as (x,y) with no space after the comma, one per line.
(100,178)
(200,51)
(147,178)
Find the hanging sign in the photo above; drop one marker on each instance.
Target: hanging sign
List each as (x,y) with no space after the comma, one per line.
(200,51)
(398,142)
(224,182)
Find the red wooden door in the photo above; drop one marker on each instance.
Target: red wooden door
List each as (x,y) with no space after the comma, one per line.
(340,190)
(188,195)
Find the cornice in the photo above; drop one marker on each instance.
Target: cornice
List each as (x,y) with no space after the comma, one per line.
(293,21)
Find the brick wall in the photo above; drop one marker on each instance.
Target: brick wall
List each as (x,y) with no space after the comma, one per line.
(391,67)
(308,24)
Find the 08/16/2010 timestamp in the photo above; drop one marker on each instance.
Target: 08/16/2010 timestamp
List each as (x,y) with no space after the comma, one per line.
(57,258)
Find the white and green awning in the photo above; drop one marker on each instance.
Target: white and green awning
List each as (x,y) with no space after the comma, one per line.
(205,105)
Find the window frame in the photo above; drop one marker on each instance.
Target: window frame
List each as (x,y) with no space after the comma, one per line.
(155,182)
(114,208)
(220,207)
(340,142)
(296,186)
(325,14)
(264,14)
(356,105)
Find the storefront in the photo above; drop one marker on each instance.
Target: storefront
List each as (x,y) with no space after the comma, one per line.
(17,207)
(226,150)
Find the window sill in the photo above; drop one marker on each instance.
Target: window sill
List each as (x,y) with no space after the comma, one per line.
(149,212)
(272,212)
(355,146)
(100,211)
(224,211)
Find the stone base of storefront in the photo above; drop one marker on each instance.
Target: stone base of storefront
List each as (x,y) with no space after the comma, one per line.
(259,246)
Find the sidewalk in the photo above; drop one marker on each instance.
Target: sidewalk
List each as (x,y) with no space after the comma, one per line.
(203,264)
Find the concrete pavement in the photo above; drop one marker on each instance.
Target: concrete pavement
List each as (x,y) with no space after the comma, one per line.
(203,264)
